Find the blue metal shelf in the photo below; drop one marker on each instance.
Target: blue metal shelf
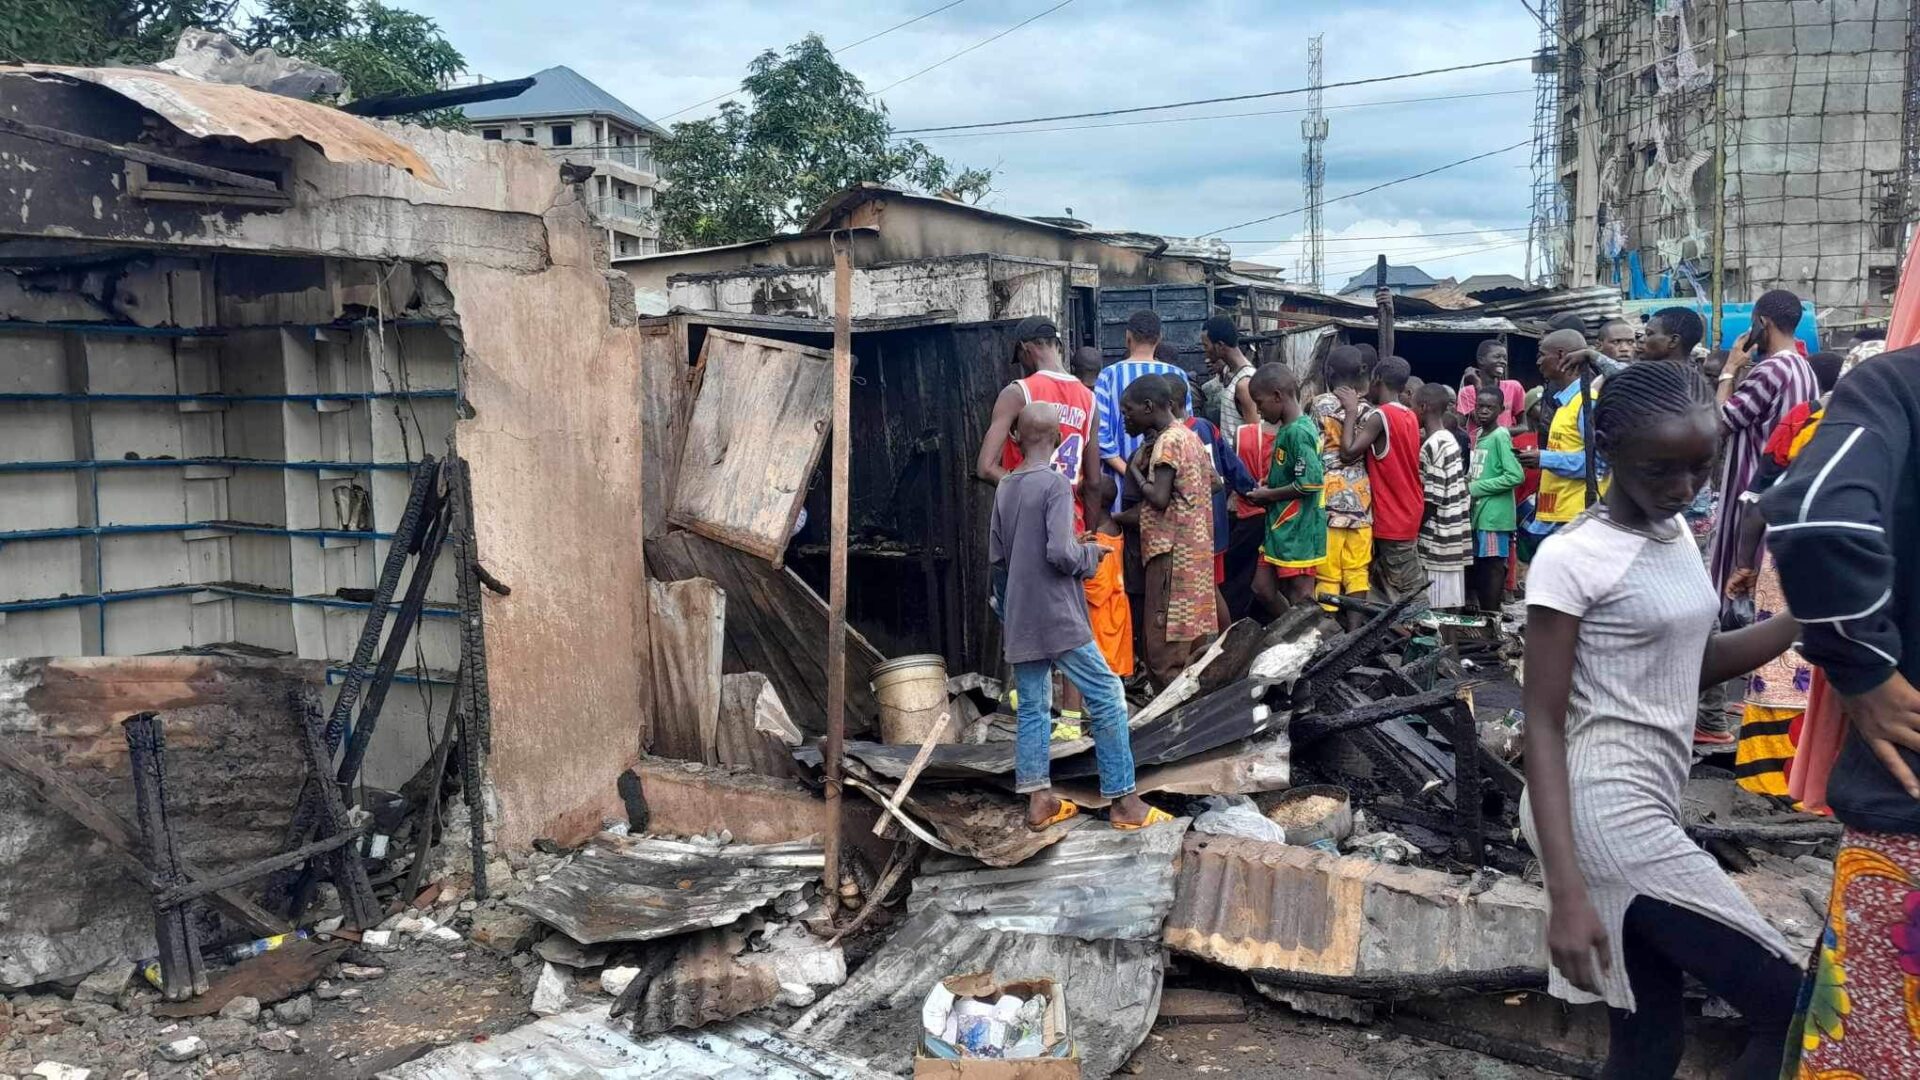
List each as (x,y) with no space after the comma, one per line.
(337,674)
(176,463)
(233,591)
(126,330)
(218,399)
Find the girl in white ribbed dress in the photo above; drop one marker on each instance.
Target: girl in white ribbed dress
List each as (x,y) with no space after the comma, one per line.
(1620,639)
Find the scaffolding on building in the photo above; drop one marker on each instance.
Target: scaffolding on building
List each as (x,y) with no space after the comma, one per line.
(1546,226)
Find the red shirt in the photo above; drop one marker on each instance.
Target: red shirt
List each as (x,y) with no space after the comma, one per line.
(1530,482)
(1076,429)
(1254,447)
(1398,498)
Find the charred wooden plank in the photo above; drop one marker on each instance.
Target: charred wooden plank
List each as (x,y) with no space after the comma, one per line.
(1308,729)
(181,973)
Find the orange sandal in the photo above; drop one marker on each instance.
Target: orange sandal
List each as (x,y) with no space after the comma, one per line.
(1155,816)
(1068,810)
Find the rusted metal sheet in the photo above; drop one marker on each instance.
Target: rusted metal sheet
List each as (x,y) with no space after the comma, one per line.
(1306,918)
(204,109)
(689,637)
(757,428)
(630,888)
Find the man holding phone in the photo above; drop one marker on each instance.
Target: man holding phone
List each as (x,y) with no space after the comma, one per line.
(1764,378)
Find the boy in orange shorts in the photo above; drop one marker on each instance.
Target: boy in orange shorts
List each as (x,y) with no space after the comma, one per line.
(1108,609)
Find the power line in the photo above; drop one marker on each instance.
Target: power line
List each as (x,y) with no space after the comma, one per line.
(1225,116)
(1362,267)
(970,48)
(1376,187)
(1396,236)
(1217,100)
(898,26)
(834,52)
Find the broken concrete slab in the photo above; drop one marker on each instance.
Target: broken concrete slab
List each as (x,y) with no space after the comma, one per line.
(107,984)
(631,888)
(683,798)
(552,994)
(503,930)
(566,952)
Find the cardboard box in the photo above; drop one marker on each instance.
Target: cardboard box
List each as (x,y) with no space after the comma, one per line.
(1064,1064)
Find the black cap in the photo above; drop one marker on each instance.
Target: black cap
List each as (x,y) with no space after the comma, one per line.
(1035,328)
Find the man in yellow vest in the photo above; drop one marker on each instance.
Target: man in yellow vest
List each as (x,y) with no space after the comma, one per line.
(1565,362)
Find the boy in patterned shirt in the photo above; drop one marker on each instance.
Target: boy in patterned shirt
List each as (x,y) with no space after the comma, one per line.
(1349,494)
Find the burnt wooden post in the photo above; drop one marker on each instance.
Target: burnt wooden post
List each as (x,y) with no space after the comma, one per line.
(837,557)
(473,706)
(181,973)
(342,864)
(1467,795)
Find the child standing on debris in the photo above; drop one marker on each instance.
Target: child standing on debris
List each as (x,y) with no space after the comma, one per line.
(1107,607)
(1175,477)
(1494,475)
(1621,621)
(1446,526)
(1033,547)
(1296,542)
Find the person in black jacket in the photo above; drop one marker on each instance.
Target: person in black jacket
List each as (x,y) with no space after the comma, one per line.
(1841,524)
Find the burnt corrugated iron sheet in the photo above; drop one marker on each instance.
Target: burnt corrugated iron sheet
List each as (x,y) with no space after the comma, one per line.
(631,888)
(203,109)
(584,1043)
(1594,304)
(1112,988)
(704,983)
(1278,909)
(1097,882)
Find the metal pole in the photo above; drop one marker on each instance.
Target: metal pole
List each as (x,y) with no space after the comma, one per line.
(1719,173)
(837,556)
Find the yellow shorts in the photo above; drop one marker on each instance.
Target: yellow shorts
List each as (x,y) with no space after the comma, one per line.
(1349,553)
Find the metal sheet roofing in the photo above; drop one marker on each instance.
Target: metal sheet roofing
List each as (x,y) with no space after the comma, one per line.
(632,888)
(562,91)
(204,109)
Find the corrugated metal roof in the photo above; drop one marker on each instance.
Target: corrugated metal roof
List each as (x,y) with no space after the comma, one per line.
(562,91)
(205,109)
(1095,883)
(1397,276)
(632,888)
(584,1043)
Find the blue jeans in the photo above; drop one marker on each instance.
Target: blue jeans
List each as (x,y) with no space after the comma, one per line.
(1087,669)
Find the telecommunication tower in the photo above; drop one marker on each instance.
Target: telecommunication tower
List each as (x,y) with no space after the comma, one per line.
(1313,165)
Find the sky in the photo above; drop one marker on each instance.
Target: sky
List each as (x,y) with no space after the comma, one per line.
(1184,178)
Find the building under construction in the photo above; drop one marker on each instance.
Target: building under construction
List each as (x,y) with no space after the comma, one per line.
(1790,134)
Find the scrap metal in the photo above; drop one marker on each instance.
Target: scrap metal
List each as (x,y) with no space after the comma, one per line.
(584,1042)
(1112,988)
(1096,883)
(630,888)
(204,109)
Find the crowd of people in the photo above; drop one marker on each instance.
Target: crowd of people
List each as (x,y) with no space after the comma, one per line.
(1675,518)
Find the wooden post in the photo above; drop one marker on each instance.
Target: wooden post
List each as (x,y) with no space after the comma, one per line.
(1385,311)
(837,556)
(181,973)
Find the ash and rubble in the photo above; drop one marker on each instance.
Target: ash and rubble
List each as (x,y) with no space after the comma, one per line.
(638,938)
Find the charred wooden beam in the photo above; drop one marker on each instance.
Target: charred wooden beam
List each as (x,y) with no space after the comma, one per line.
(1359,646)
(134,153)
(181,973)
(194,890)
(1470,827)
(122,839)
(1306,730)
(1766,832)
(342,864)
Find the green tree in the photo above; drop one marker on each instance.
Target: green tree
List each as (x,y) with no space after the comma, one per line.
(807,130)
(379,49)
(95,32)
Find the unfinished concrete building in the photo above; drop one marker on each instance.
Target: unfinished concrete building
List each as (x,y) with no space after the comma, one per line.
(1817,114)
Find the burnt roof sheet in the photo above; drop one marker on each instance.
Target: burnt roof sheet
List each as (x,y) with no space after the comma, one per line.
(632,888)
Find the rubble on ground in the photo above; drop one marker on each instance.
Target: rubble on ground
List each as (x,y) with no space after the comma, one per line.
(1331,852)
